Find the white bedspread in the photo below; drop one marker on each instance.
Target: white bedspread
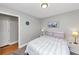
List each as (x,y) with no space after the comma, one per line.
(47,45)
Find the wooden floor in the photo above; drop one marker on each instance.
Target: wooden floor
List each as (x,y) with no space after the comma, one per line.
(20,51)
(8,49)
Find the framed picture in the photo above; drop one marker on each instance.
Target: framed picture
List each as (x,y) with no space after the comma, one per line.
(52,24)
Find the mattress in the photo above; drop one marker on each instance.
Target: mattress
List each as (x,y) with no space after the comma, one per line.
(46,45)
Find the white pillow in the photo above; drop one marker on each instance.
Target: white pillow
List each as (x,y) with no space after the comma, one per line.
(49,33)
(59,35)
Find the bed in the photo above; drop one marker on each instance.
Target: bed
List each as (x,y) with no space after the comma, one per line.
(48,45)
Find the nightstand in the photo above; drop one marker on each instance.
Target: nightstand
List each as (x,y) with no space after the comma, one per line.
(74,47)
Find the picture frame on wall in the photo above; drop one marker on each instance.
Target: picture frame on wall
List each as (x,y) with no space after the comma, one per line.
(52,24)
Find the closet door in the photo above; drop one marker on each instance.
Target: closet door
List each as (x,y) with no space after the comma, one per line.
(1,33)
(5,33)
(13,31)
(8,30)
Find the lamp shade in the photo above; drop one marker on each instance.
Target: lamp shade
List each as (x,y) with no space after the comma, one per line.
(42,30)
(75,33)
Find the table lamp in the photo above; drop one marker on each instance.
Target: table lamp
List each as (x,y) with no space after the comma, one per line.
(42,31)
(75,35)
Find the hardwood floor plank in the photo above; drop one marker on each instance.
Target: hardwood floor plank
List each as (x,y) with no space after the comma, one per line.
(8,49)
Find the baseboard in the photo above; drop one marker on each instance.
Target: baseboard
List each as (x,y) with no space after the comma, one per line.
(9,43)
(13,43)
(23,45)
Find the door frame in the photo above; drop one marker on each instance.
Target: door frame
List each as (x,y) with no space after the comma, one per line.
(14,15)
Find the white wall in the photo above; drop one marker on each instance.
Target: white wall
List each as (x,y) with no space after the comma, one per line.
(27,33)
(68,22)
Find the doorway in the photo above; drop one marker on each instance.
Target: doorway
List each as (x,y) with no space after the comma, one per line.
(8,33)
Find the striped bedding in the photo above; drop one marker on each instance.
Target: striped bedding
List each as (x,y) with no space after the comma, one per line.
(46,45)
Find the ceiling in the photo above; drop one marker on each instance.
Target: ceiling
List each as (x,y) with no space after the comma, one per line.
(35,10)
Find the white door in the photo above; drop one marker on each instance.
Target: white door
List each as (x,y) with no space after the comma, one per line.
(8,30)
(13,31)
(5,33)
